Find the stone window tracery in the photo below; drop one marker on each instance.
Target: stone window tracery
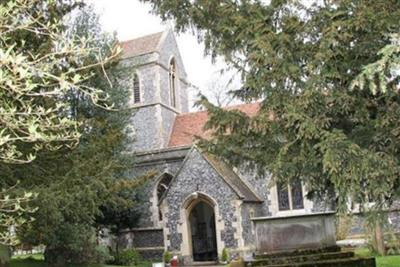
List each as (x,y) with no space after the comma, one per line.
(290,196)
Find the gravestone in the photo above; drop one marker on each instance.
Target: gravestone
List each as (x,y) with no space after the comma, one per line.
(294,232)
(306,240)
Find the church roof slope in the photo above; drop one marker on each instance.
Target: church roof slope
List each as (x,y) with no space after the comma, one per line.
(187,126)
(140,46)
(232,179)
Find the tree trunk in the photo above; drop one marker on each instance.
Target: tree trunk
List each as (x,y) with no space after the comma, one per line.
(379,241)
(5,256)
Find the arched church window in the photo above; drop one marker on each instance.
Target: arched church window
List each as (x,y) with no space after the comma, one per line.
(162,186)
(136,89)
(283,196)
(290,196)
(172,82)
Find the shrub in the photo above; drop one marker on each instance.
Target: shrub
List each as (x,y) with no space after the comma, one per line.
(225,255)
(128,257)
(91,253)
(102,254)
(392,242)
(167,256)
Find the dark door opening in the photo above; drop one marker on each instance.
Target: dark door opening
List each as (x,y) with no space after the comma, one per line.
(204,238)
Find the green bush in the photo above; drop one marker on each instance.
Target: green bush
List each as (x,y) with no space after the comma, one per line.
(102,254)
(167,256)
(91,253)
(225,255)
(128,257)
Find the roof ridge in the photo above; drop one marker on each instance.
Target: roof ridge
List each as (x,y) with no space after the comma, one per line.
(140,37)
(141,45)
(224,107)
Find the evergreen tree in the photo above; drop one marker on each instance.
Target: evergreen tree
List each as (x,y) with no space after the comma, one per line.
(39,66)
(302,62)
(82,190)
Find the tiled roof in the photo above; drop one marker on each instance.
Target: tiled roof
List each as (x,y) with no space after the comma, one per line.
(187,126)
(140,46)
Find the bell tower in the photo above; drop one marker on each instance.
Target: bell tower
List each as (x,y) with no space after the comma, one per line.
(159,88)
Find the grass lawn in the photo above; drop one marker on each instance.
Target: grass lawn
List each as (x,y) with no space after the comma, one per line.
(386,261)
(37,261)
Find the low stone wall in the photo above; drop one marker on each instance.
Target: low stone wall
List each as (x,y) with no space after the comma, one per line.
(285,233)
(148,241)
(153,254)
(357,228)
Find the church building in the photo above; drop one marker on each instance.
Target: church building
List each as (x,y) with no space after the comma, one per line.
(197,204)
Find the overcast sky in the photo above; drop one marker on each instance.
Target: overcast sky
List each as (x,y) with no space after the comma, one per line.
(131,19)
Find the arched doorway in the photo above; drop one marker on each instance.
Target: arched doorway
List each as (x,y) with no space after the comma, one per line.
(203,233)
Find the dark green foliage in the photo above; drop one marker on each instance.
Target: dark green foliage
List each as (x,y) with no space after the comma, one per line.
(128,257)
(300,61)
(225,255)
(167,257)
(89,254)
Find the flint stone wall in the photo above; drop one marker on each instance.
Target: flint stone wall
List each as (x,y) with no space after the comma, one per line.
(161,162)
(197,175)
(249,211)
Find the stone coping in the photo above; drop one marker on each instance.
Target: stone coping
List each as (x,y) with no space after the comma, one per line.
(388,210)
(141,229)
(149,248)
(289,216)
(161,150)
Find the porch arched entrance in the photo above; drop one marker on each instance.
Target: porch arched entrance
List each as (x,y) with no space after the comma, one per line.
(203,232)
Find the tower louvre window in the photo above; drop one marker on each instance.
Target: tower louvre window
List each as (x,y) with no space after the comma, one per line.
(136,89)
(172,82)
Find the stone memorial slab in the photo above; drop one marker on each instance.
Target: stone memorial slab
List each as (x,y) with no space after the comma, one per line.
(294,232)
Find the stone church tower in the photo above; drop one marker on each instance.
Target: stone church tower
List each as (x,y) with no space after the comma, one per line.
(159,88)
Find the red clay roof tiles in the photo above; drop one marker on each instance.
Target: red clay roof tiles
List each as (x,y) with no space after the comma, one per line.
(187,126)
